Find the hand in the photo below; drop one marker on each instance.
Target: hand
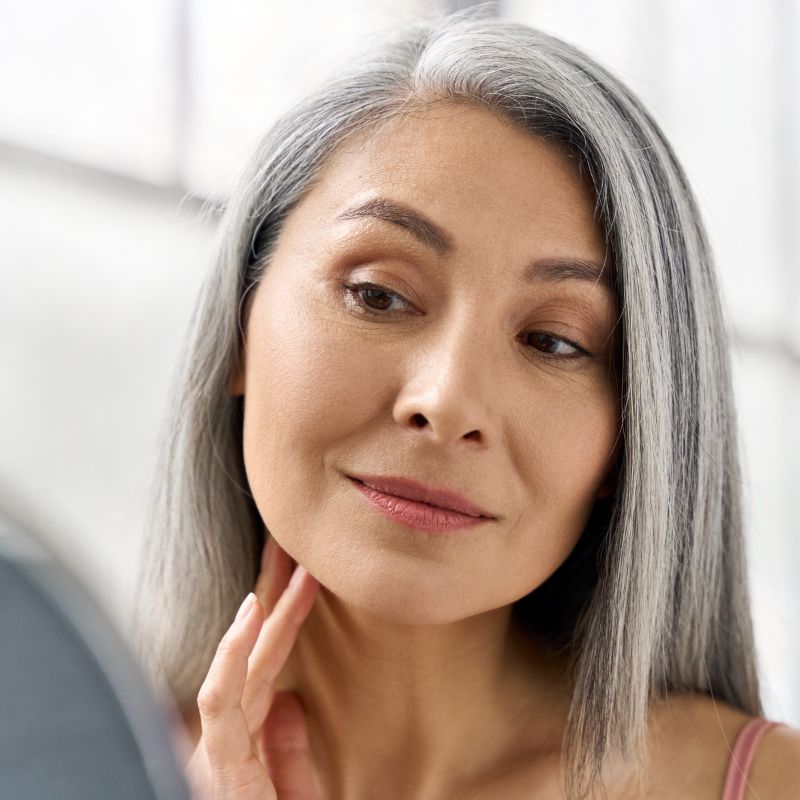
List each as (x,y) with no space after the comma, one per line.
(254,741)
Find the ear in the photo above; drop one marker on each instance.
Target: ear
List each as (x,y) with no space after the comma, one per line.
(236,382)
(235,387)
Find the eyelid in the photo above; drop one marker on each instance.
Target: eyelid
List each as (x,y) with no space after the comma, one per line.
(352,288)
(579,350)
(382,241)
(384,281)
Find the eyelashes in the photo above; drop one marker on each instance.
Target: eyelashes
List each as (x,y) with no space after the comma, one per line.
(550,340)
(548,344)
(356,291)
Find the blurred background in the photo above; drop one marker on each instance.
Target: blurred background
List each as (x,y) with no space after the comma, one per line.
(119,120)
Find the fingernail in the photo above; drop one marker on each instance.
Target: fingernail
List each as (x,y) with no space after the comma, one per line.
(245,606)
(297,576)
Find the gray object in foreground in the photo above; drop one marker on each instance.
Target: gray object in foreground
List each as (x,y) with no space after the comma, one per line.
(77,719)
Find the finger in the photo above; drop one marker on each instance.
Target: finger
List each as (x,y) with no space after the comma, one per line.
(288,749)
(225,733)
(272,581)
(276,570)
(266,556)
(275,642)
(198,773)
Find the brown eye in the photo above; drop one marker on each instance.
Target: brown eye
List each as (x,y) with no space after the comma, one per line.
(369,298)
(555,346)
(376,298)
(372,300)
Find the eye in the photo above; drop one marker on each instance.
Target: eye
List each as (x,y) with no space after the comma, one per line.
(369,298)
(373,300)
(555,346)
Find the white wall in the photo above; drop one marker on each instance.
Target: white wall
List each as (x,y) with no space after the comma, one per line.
(98,280)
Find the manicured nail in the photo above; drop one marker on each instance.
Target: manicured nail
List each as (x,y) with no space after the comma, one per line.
(245,607)
(297,576)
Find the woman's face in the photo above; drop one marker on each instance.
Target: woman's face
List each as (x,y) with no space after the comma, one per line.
(482,363)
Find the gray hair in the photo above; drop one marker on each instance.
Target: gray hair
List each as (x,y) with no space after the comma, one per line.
(654,598)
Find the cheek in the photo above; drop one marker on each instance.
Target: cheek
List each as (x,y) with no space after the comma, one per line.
(309,389)
(569,458)
(580,442)
(313,398)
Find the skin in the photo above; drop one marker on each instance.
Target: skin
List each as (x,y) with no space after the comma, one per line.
(411,674)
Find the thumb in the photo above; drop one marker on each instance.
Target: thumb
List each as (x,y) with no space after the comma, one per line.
(288,748)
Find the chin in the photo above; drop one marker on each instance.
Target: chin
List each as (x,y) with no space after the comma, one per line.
(400,602)
(409,613)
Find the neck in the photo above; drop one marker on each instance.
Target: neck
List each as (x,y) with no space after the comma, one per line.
(420,710)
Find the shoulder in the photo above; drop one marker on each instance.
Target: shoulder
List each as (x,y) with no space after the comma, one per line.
(698,732)
(690,738)
(693,722)
(775,772)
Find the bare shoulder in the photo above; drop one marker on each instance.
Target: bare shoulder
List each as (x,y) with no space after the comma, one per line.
(691,736)
(775,772)
(696,734)
(696,721)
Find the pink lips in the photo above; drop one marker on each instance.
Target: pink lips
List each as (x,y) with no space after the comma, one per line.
(419,506)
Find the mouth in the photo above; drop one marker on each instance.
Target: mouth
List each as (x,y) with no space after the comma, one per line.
(416,514)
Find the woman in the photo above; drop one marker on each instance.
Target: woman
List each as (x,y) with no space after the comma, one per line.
(461,360)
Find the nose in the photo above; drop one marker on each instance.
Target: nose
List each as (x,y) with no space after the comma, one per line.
(450,392)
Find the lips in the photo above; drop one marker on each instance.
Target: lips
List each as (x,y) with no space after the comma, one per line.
(411,489)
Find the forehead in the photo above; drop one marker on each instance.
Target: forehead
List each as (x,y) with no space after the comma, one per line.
(476,173)
(476,149)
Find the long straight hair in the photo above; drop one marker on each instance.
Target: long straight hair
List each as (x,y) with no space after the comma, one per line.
(654,597)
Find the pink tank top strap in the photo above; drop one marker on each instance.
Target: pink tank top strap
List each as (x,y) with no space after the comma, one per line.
(742,757)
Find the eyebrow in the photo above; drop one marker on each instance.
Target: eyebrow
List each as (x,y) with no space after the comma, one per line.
(430,234)
(405,217)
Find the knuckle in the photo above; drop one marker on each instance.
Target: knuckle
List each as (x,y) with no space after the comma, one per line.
(262,684)
(226,647)
(209,700)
